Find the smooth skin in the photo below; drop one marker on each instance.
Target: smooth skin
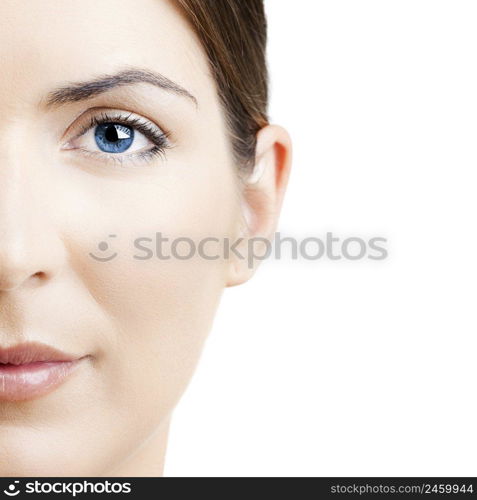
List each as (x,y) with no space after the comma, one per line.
(140,324)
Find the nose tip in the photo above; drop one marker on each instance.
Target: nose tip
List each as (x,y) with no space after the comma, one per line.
(24,264)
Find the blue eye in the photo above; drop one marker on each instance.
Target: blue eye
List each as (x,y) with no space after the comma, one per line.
(113,137)
(119,137)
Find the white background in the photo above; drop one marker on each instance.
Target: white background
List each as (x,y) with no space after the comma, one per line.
(356,368)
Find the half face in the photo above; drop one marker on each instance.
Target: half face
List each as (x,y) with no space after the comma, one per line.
(111,132)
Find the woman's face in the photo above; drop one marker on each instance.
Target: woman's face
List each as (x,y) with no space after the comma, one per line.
(111,130)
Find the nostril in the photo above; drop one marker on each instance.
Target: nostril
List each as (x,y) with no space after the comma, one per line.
(13,281)
(39,276)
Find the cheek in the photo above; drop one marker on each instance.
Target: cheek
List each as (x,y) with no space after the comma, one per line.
(161,313)
(160,310)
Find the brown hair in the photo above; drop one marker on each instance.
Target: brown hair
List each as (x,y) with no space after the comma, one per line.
(234,36)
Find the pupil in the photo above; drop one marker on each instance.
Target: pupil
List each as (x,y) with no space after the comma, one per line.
(111,134)
(114,137)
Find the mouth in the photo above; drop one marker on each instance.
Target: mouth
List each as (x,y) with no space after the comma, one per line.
(31,370)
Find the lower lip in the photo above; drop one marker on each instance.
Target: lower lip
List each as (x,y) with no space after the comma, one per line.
(32,380)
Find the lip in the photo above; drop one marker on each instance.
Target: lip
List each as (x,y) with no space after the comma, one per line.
(31,370)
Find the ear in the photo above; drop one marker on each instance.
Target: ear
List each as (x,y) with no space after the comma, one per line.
(262,197)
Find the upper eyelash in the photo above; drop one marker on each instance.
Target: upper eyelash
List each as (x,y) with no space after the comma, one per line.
(158,137)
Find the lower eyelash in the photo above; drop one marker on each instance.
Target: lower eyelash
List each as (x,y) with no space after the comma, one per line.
(120,159)
(152,153)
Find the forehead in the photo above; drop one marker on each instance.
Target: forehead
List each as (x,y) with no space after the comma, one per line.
(46,43)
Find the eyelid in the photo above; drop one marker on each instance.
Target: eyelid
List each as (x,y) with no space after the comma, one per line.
(128,118)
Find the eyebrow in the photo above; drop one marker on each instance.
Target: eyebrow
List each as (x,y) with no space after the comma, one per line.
(80,91)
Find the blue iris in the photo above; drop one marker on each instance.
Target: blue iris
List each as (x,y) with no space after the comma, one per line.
(113,137)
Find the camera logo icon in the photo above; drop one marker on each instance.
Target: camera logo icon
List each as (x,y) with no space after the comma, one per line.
(103,247)
(12,490)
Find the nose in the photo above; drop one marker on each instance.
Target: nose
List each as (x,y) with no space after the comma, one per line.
(25,261)
(31,249)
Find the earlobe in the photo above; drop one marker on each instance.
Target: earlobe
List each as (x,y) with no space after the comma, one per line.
(262,198)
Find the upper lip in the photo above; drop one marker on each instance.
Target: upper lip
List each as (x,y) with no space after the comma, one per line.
(31,352)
